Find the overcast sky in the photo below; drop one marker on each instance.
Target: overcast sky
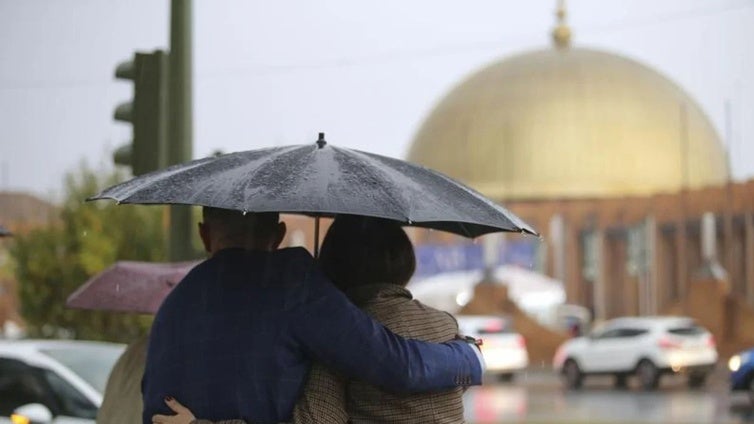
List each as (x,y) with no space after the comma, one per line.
(366,73)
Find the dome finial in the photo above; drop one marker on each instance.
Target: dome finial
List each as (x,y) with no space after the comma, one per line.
(561,34)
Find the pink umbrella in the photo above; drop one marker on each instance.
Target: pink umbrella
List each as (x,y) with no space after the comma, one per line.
(130,286)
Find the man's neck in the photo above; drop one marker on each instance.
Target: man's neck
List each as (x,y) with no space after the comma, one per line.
(226,246)
(220,248)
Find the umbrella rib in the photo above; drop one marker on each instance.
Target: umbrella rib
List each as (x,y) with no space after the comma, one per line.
(377,166)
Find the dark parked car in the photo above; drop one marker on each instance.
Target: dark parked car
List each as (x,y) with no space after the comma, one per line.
(742,372)
(53,381)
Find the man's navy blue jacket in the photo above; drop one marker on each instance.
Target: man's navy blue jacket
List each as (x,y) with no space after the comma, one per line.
(235,339)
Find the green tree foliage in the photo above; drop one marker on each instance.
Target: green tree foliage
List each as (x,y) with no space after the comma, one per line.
(54,261)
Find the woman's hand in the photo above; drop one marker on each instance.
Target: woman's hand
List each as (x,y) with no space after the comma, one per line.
(182,414)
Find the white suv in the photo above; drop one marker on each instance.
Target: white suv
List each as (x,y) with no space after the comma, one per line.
(504,350)
(645,346)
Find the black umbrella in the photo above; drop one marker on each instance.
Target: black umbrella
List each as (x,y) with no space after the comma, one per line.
(322,180)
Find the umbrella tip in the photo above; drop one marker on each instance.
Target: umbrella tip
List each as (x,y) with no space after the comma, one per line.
(321,140)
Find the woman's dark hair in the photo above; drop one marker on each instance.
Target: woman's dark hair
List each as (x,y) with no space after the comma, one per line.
(360,250)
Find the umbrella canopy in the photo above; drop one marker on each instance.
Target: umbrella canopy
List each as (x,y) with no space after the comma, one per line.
(322,180)
(130,286)
(4,232)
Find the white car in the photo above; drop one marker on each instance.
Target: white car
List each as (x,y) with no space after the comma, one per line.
(647,347)
(54,381)
(504,350)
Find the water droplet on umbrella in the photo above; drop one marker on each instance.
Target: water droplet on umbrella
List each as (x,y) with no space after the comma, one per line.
(245,212)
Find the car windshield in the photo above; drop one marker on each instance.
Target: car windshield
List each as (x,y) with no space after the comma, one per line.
(90,362)
(690,330)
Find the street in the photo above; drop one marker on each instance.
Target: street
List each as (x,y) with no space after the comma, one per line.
(538,397)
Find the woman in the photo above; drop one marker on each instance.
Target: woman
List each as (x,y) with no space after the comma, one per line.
(371,260)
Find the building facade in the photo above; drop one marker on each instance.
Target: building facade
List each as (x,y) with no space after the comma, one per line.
(618,168)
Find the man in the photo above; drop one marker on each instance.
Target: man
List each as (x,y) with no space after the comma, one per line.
(235,339)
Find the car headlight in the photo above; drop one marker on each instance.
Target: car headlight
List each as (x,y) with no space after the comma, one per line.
(19,419)
(734,364)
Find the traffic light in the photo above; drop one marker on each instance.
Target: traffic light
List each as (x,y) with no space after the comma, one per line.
(147,113)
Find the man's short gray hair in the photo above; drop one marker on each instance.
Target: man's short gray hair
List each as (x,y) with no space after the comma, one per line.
(232,225)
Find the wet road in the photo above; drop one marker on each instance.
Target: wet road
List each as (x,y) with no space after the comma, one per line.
(538,397)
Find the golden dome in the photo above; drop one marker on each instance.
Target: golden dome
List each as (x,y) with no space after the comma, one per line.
(570,122)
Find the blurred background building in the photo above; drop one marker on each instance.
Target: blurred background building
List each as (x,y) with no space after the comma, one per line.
(618,168)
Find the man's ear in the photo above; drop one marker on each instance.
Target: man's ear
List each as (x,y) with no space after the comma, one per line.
(204,235)
(279,235)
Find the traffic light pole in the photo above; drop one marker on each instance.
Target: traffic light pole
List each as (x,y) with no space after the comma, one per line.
(180,120)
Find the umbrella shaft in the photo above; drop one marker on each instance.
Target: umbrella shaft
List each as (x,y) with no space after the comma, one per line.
(316,237)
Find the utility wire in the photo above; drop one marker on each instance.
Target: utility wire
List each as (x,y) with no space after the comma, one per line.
(466,48)
(407,55)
